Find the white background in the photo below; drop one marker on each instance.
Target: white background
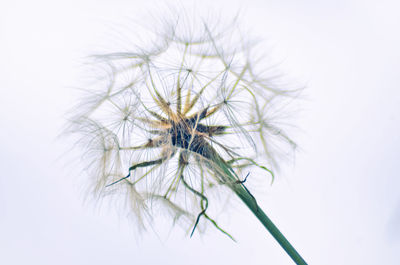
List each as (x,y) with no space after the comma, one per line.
(339,204)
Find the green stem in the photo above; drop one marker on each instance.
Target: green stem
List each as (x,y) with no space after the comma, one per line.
(251,202)
(263,218)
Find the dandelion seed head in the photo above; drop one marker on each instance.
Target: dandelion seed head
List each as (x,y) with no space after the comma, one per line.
(154,123)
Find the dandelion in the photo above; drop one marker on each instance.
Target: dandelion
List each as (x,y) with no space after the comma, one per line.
(181,118)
